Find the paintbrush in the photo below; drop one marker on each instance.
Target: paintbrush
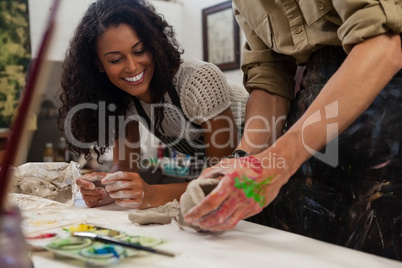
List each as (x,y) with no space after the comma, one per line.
(26,105)
(108,239)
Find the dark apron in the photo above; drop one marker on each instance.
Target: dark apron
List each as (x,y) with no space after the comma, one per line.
(184,146)
(181,145)
(357,204)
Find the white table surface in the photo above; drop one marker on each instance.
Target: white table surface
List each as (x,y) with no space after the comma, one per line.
(249,245)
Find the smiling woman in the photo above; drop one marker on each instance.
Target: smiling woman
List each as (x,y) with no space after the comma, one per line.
(124,66)
(126,62)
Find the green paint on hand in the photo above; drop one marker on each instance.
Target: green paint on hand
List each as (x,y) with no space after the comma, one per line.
(251,188)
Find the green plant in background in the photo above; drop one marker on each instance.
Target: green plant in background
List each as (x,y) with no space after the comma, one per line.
(15,54)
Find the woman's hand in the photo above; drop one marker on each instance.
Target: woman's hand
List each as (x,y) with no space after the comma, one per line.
(245,188)
(92,190)
(128,189)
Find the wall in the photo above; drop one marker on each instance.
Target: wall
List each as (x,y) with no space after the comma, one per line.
(68,16)
(192,43)
(184,15)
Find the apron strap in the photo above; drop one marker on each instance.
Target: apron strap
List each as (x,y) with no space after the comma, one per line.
(182,145)
(176,102)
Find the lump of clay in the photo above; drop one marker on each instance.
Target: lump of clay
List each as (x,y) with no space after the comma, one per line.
(196,191)
(158,215)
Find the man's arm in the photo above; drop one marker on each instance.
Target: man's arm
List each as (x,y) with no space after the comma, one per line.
(265,119)
(365,72)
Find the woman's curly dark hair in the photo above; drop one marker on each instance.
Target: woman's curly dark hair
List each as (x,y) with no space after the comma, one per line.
(82,83)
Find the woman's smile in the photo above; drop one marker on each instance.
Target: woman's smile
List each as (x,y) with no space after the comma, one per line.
(135,80)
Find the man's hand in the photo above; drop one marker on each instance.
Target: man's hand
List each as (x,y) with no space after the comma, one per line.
(244,190)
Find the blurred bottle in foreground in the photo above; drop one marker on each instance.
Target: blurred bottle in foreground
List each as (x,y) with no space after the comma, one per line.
(13,247)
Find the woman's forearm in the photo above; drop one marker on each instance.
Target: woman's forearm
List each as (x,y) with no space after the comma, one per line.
(164,193)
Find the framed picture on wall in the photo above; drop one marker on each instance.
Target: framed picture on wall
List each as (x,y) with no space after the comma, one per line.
(220,34)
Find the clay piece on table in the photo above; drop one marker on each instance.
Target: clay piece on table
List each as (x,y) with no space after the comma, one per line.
(54,181)
(158,215)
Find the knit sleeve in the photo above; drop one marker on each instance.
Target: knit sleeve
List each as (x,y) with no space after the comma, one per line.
(205,91)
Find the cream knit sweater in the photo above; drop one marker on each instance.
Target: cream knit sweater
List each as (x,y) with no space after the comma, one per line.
(204,93)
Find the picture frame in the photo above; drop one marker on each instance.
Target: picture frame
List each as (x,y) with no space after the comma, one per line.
(220,33)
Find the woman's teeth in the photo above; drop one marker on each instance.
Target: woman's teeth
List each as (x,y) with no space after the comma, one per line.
(135,78)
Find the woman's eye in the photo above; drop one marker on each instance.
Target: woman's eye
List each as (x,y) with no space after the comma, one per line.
(114,61)
(139,52)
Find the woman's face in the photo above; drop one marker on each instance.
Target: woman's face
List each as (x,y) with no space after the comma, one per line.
(126,61)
